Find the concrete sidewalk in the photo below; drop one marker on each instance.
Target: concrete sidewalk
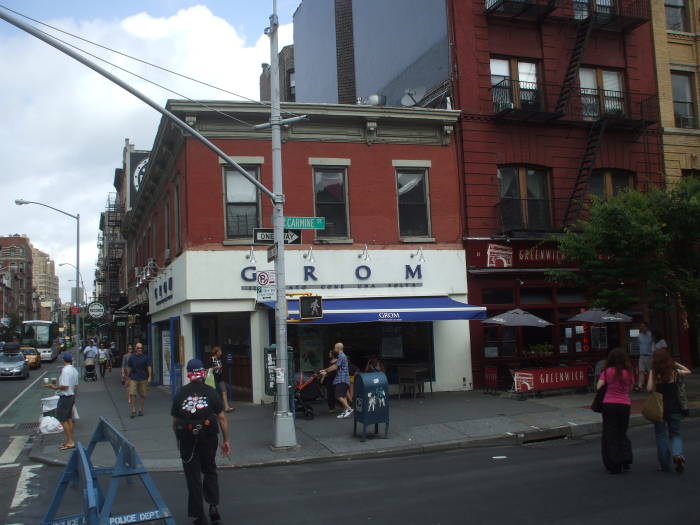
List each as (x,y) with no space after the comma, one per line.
(440,421)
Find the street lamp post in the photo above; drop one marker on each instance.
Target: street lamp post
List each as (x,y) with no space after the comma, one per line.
(20,202)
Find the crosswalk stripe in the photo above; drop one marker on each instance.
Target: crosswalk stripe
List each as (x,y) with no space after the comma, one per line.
(22,490)
(14,449)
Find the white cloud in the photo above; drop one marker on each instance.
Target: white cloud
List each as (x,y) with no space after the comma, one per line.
(64,125)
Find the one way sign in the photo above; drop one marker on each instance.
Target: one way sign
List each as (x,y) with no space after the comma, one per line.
(267,236)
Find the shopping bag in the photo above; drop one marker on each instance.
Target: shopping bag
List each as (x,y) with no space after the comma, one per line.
(50,425)
(653,408)
(210,379)
(74,413)
(597,405)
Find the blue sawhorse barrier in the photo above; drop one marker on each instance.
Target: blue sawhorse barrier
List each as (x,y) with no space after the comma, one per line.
(97,507)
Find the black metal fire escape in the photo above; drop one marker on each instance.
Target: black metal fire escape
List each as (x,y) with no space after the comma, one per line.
(590,154)
(583,32)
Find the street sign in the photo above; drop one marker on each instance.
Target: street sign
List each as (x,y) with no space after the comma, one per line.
(271,253)
(266,288)
(305,223)
(75,310)
(267,236)
(96,310)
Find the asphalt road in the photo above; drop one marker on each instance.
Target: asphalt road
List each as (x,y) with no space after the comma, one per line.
(556,483)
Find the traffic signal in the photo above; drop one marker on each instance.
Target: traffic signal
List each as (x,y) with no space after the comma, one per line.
(310,307)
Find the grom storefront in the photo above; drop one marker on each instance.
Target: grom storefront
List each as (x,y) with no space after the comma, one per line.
(504,275)
(406,307)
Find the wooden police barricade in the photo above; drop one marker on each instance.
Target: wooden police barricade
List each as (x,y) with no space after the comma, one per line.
(97,507)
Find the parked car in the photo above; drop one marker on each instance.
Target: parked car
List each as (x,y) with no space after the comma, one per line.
(13,365)
(32,357)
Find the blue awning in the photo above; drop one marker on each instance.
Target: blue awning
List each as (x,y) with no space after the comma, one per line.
(389,309)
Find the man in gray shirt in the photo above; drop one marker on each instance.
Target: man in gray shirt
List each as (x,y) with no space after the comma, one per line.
(646,348)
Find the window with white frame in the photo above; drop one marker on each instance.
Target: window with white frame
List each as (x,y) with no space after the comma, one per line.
(414,210)
(242,203)
(330,197)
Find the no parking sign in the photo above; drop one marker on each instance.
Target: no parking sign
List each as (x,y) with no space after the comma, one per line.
(266,285)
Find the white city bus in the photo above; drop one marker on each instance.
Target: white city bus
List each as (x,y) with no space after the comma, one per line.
(43,336)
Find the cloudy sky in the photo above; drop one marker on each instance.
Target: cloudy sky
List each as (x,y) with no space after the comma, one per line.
(64,125)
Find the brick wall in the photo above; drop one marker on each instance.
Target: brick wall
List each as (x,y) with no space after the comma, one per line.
(345,56)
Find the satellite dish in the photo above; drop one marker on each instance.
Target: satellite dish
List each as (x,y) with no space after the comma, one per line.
(412,96)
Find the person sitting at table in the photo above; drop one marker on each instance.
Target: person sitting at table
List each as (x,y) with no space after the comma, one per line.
(374,364)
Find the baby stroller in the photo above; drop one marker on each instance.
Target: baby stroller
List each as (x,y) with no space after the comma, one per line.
(306,389)
(90,372)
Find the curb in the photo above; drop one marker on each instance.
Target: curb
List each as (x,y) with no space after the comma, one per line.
(532,436)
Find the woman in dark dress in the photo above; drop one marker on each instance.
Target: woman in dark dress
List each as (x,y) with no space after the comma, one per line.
(664,378)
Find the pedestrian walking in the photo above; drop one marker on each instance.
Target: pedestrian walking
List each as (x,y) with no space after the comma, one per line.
(341,382)
(615,445)
(198,415)
(140,374)
(664,378)
(90,354)
(124,371)
(646,348)
(219,381)
(327,380)
(103,358)
(66,390)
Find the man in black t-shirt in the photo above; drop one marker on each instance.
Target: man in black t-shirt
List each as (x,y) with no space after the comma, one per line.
(197,416)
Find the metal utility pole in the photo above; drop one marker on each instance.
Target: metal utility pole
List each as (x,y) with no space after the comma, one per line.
(285,433)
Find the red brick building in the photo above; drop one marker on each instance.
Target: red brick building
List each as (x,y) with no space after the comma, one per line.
(558,101)
(16,266)
(386,181)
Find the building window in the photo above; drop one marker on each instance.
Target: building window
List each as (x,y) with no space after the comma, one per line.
(330,191)
(414,210)
(242,205)
(608,183)
(524,198)
(176,205)
(291,86)
(683,100)
(514,84)
(601,93)
(676,15)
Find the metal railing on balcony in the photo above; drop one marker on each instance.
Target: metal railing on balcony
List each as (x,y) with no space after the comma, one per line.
(619,108)
(684,115)
(518,100)
(613,15)
(525,9)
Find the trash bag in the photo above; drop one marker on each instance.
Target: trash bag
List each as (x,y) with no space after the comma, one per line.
(50,425)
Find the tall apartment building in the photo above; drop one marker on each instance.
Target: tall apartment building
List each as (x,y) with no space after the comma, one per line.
(287,77)
(16,266)
(44,275)
(558,102)
(677,52)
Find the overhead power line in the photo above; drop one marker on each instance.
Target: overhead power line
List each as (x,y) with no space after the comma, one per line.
(131,57)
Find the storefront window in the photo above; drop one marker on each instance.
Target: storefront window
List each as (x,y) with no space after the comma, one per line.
(497,296)
(570,295)
(536,295)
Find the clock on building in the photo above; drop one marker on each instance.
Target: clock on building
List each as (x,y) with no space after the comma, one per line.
(139,172)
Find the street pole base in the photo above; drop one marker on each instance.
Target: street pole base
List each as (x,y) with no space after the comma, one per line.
(285,433)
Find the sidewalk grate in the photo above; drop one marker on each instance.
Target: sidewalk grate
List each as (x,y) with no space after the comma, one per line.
(26,426)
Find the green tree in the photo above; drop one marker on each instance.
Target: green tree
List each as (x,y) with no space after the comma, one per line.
(639,248)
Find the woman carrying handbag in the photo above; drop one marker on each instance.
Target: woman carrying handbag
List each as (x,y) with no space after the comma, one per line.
(617,377)
(665,377)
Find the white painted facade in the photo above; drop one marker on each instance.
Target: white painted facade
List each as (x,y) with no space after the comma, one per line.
(200,282)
